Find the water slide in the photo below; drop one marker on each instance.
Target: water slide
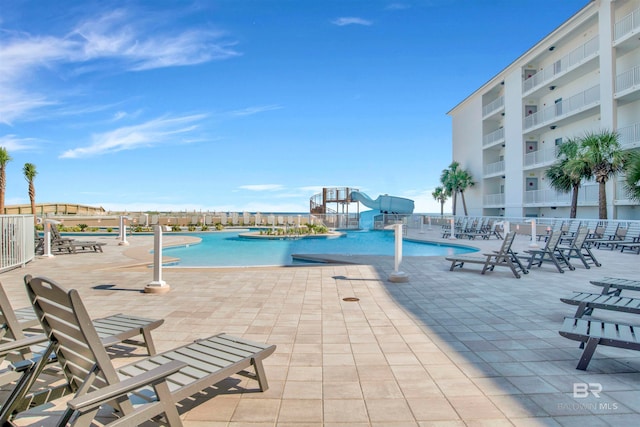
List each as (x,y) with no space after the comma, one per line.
(384,203)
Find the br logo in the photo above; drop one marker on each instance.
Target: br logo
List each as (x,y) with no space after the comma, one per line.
(582,390)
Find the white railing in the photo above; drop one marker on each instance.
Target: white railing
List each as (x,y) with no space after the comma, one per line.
(628,79)
(493,137)
(626,25)
(492,168)
(629,135)
(494,199)
(587,195)
(494,105)
(17,241)
(540,157)
(562,65)
(564,108)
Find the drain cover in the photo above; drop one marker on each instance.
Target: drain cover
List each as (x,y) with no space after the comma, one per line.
(351,299)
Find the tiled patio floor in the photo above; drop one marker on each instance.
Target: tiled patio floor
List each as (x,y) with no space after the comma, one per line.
(445,349)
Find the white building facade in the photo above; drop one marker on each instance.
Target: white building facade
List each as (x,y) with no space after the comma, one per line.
(583,77)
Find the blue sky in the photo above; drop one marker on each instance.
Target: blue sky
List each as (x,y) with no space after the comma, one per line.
(233,105)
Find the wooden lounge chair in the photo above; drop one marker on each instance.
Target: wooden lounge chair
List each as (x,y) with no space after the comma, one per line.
(587,302)
(631,239)
(608,238)
(550,253)
(159,382)
(579,249)
(71,245)
(23,343)
(592,332)
(614,286)
(504,257)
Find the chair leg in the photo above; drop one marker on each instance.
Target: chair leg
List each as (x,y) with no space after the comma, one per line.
(589,349)
(260,374)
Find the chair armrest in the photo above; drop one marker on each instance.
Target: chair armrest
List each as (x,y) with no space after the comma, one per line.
(99,397)
(22,343)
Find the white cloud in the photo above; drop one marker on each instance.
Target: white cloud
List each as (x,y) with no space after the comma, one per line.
(13,143)
(153,132)
(351,21)
(249,111)
(397,6)
(263,187)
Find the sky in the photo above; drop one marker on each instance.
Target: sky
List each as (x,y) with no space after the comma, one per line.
(246,105)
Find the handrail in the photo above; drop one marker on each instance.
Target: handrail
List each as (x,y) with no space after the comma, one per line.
(17,241)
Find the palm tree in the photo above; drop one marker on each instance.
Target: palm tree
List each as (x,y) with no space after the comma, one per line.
(632,180)
(30,173)
(4,159)
(440,195)
(456,180)
(602,153)
(568,172)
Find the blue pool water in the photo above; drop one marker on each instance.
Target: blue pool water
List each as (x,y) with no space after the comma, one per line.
(228,249)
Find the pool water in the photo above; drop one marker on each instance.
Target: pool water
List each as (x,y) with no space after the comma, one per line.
(228,249)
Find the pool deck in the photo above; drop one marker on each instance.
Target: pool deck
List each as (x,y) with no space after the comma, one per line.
(444,349)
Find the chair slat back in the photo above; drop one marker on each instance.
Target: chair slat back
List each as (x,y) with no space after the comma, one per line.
(68,326)
(581,236)
(507,242)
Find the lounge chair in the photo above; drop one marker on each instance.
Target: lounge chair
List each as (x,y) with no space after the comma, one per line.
(579,249)
(614,286)
(608,238)
(587,302)
(22,342)
(71,245)
(631,239)
(504,257)
(591,332)
(159,382)
(550,253)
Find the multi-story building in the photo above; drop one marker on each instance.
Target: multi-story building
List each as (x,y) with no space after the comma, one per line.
(583,77)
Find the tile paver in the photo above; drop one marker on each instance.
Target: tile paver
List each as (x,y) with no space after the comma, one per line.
(445,349)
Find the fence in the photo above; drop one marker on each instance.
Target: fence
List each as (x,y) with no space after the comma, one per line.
(17,243)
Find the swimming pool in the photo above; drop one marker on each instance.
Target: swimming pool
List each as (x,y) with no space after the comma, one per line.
(228,249)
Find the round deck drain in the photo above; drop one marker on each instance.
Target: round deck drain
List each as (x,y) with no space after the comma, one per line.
(351,299)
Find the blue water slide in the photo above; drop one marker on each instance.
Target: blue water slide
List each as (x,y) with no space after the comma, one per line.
(384,203)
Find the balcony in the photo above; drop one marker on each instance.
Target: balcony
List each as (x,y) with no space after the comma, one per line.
(574,105)
(587,196)
(564,65)
(493,107)
(540,158)
(628,84)
(493,137)
(625,30)
(629,136)
(494,168)
(494,199)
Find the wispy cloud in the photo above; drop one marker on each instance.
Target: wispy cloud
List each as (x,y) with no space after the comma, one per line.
(397,6)
(262,187)
(148,134)
(249,111)
(351,21)
(123,38)
(13,143)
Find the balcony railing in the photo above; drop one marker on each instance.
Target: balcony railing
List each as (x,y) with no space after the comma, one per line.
(493,137)
(564,64)
(563,108)
(493,168)
(628,79)
(493,106)
(626,25)
(587,195)
(494,199)
(629,135)
(540,157)
(17,243)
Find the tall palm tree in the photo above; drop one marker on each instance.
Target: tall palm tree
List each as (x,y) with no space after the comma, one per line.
(456,180)
(4,159)
(567,173)
(632,179)
(440,195)
(30,173)
(601,151)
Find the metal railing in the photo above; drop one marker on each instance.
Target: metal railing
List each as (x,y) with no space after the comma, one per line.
(629,135)
(494,199)
(492,168)
(493,106)
(587,195)
(540,157)
(17,241)
(626,25)
(564,108)
(493,137)
(562,65)
(628,79)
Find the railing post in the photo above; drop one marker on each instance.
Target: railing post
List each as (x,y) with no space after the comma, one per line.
(398,276)
(157,285)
